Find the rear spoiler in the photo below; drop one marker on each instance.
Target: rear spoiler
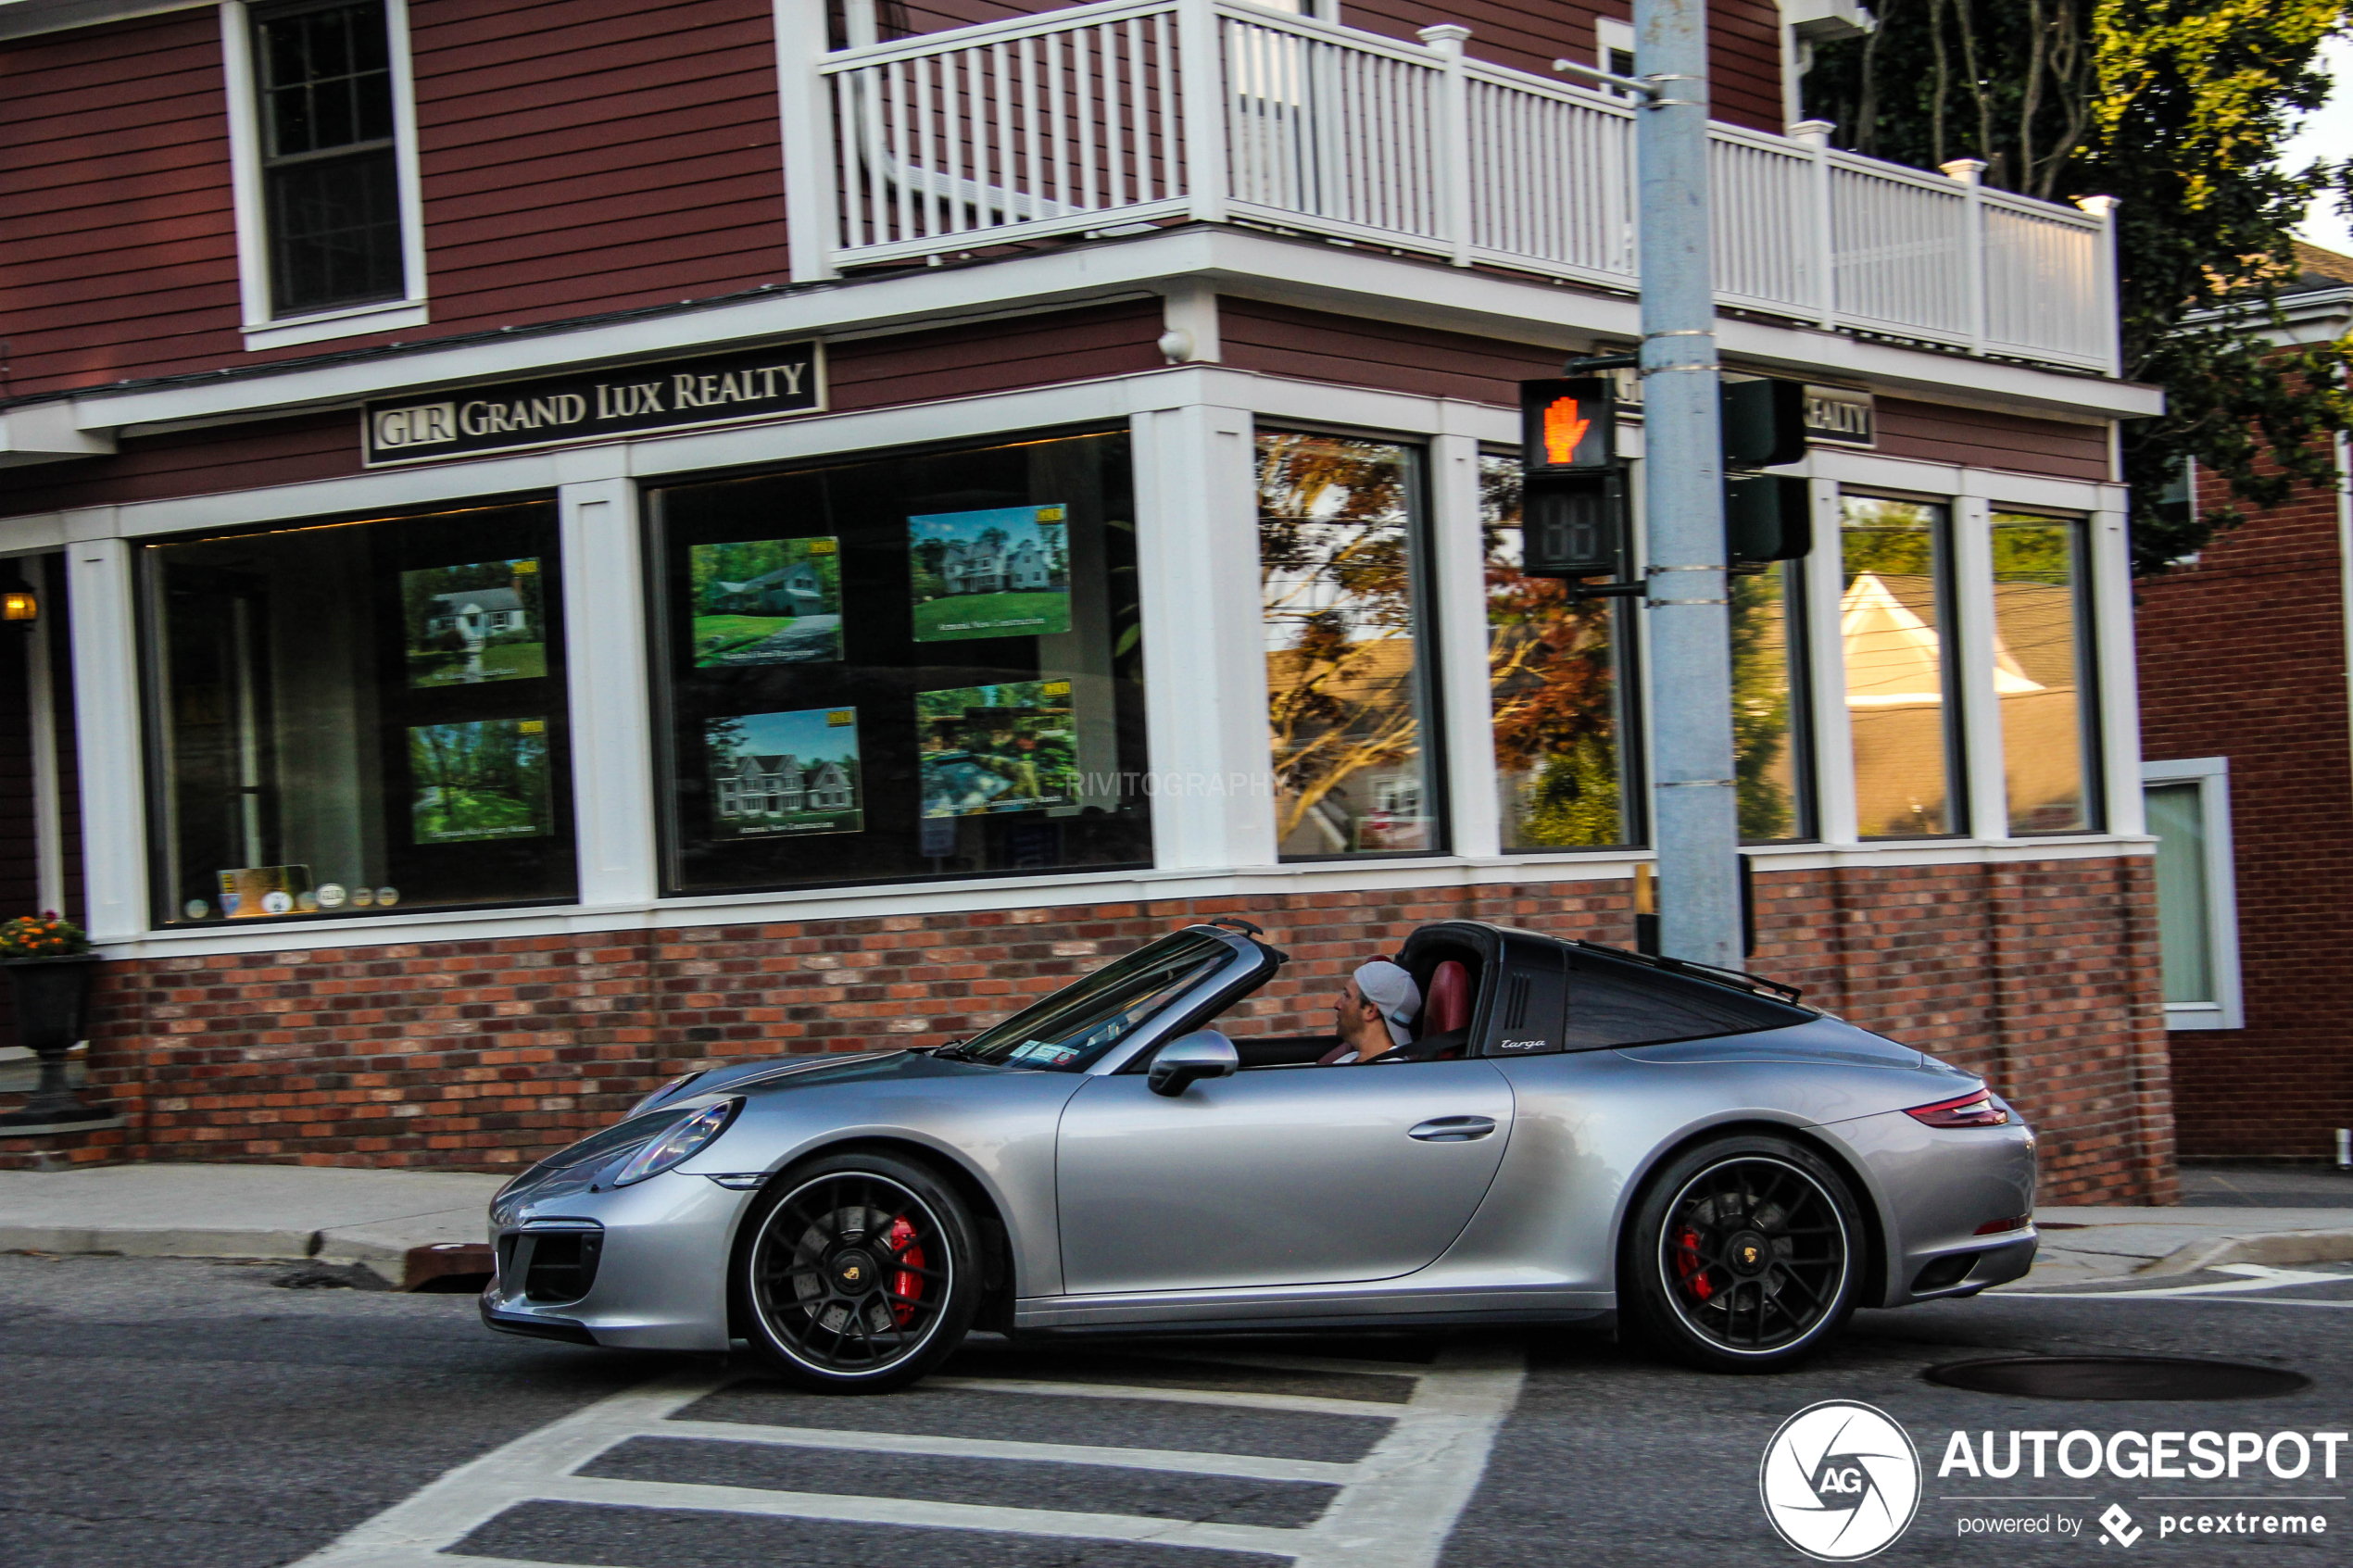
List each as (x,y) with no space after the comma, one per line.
(1740,980)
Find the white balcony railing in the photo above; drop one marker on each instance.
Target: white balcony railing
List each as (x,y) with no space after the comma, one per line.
(1130,111)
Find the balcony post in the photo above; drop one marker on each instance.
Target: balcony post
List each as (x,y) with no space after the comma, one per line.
(1454,138)
(2104,208)
(1968,171)
(1201,62)
(1814,135)
(804,107)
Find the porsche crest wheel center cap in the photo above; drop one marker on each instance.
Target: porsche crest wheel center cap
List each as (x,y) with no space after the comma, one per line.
(1748,1253)
(854,1272)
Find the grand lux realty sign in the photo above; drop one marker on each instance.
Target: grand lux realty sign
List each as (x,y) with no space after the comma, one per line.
(758,383)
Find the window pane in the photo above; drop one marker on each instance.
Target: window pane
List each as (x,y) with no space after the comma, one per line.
(336,228)
(2041,653)
(358,715)
(1344,682)
(1890,628)
(2184,916)
(1766,690)
(326,79)
(1555,686)
(917,667)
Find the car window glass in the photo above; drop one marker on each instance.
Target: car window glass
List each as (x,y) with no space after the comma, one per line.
(1623,1003)
(1069,1030)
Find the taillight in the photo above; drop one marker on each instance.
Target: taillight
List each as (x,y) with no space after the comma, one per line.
(1970,1110)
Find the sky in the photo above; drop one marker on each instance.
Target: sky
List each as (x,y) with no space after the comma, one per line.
(2327,132)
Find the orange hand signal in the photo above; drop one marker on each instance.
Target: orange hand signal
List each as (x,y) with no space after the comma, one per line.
(1563,430)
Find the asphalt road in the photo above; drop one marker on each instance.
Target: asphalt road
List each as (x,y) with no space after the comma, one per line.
(188,1414)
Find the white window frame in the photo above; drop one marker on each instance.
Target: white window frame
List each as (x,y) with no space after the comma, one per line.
(261,329)
(1609,34)
(2212,775)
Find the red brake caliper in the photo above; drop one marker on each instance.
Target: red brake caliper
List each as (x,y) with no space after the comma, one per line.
(905,1288)
(1687,1264)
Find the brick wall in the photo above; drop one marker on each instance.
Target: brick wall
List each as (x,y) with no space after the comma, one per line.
(486,1054)
(2242,656)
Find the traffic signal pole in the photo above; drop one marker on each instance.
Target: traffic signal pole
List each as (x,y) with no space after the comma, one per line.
(1694,807)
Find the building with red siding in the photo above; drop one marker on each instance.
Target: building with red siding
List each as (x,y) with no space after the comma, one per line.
(2249,776)
(450,441)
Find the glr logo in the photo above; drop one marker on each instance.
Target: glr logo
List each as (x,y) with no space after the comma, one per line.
(2116,1526)
(1839,1481)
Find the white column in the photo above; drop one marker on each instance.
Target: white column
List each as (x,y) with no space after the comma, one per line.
(1825,587)
(105,702)
(1969,644)
(1453,137)
(804,105)
(1459,597)
(1205,645)
(612,777)
(2118,691)
(1821,246)
(1201,48)
(1967,170)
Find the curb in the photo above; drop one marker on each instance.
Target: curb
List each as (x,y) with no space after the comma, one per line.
(2277,1246)
(398,1264)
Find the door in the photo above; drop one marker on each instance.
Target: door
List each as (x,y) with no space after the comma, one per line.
(1284,1175)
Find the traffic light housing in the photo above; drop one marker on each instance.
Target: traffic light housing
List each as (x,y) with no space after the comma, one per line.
(1764,423)
(1567,425)
(1767,519)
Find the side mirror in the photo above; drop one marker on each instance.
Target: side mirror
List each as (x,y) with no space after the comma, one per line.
(1204,1053)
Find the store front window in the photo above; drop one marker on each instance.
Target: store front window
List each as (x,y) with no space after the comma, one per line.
(1768,704)
(1893,614)
(2041,666)
(1347,683)
(349,718)
(923,665)
(1558,691)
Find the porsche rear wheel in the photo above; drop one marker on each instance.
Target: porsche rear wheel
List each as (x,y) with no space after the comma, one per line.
(857,1272)
(1745,1255)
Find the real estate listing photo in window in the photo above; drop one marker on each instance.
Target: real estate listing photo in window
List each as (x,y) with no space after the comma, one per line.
(924,665)
(355,717)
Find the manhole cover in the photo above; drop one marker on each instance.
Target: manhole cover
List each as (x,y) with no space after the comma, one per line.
(2117,1378)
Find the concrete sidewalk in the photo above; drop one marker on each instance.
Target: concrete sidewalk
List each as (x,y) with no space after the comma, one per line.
(406,1226)
(2084,1244)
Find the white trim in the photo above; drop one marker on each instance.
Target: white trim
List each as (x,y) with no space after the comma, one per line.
(612,743)
(1835,821)
(2115,670)
(106,739)
(1241,262)
(1968,650)
(804,106)
(29,18)
(262,329)
(2212,775)
(1459,643)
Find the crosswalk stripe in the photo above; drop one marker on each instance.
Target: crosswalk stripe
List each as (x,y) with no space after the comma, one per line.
(1296,1404)
(1249,1467)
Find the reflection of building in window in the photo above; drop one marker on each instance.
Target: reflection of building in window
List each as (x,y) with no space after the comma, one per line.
(2189,813)
(2039,656)
(1890,633)
(755,786)
(477,612)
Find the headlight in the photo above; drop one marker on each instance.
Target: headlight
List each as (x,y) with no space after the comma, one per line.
(681,1143)
(665,1091)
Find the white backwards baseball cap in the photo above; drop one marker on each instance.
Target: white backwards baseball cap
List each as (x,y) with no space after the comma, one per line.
(1393,990)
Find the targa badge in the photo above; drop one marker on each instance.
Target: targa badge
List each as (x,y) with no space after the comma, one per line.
(1839,1481)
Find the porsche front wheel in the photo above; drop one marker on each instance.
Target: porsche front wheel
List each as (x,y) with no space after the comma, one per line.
(857,1274)
(1745,1255)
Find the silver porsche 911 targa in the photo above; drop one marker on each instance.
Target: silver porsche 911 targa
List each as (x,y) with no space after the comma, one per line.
(1570,1131)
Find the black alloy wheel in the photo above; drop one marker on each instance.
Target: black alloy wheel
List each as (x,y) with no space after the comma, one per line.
(858,1273)
(1745,1256)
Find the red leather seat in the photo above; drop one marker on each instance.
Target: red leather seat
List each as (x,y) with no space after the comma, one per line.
(1447,1006)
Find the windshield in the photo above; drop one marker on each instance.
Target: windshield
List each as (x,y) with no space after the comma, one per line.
(1069,1030)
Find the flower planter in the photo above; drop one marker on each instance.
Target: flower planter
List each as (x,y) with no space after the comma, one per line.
(50,995)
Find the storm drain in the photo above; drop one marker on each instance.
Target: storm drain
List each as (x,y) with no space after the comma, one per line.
(2117,1378)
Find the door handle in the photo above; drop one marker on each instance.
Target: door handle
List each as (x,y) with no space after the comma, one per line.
(1453,1129)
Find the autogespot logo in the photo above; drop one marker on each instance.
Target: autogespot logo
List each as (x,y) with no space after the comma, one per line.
(1839,1481)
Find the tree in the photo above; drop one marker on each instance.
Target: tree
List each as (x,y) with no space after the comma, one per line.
(2180,109)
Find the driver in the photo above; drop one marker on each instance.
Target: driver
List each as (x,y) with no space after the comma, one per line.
(1372,1011)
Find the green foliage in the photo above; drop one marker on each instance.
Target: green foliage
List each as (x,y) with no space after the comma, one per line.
(2180,109)
(46,936)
